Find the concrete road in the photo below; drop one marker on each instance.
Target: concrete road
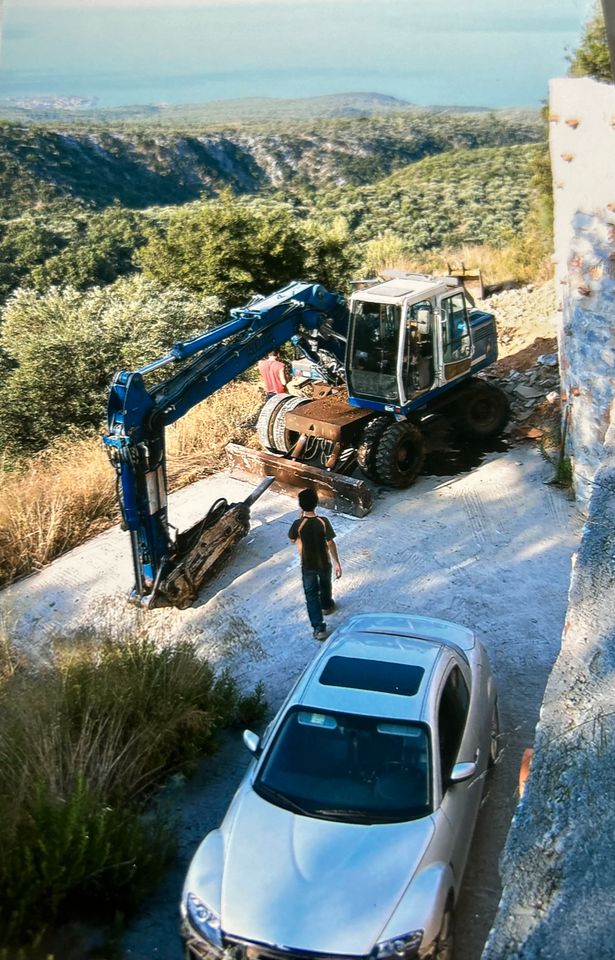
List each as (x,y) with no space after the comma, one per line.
(490,549)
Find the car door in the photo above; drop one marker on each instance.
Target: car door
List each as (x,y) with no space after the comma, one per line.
(456,342)
(458,740)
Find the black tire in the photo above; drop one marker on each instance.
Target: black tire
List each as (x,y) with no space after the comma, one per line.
(482,411)
(444,946)
(266,420)
(284,440)
(367,449)
(494,737)
(400,455)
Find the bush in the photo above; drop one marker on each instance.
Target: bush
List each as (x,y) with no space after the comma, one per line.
(592,57)
(226,249)
(102,251)
(66,345)
(84,743)
(235,248)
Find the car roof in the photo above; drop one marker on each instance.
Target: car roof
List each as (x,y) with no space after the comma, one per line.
(383,639)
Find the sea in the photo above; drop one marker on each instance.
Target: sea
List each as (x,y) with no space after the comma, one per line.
(483,53)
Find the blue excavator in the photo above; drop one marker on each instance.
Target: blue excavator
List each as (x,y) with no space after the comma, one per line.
(388,360)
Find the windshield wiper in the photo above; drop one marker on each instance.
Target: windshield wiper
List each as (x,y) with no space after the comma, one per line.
(349,814)
(281,799)
(363,816)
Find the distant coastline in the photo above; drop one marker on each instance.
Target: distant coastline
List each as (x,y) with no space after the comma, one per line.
(50,102)
(87,109)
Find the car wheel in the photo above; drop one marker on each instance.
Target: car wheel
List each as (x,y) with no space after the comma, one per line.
(444,946)
(400,454)
(494,738)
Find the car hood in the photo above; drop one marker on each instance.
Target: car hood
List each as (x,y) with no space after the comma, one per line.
(313,884)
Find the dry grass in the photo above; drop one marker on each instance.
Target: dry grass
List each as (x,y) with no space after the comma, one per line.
(195,444)
(519,263)
(86,739)
(52,503)
(66,494)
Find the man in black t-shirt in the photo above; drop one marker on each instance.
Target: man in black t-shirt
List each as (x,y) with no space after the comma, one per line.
(315,539)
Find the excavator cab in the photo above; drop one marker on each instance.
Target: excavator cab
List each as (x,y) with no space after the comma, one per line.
(407,337)
(391,355)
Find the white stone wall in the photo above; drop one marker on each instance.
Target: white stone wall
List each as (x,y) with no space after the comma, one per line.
(582,141)
(558,866)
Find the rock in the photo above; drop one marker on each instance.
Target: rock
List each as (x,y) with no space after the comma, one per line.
(552,397)
(547,360)
(528,393)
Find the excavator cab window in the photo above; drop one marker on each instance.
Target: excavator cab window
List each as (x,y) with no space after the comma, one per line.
(374,346)
(456,343)
(418,367)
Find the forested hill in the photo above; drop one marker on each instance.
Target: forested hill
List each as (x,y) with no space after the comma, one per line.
(141,165)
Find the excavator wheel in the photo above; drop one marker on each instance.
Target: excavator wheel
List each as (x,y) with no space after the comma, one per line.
(266,420)
(400,454)
(284,440)
(482,411)
(367,449)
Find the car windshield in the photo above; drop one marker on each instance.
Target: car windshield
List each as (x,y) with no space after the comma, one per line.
(347,767)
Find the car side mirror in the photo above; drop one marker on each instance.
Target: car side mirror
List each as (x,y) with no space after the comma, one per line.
(252,741)
(463,771)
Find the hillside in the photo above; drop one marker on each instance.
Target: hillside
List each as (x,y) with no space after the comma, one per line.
(461,196)
(141,165)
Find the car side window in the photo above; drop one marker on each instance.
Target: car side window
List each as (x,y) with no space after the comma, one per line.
(452,716)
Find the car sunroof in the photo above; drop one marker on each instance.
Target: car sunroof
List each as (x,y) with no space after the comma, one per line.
(377,675)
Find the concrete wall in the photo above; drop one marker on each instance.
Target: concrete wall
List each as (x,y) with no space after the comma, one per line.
(558,866)
(582,139)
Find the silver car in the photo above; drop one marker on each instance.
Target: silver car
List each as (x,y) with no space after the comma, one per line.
(349,834)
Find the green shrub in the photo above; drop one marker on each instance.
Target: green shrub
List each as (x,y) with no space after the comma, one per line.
(66,345)
(234,249)
(84,744)
(592,58)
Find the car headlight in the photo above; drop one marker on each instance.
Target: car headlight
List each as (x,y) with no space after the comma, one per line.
(406,946)
(204,920)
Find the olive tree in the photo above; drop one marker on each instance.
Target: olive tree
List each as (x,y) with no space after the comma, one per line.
(64,346)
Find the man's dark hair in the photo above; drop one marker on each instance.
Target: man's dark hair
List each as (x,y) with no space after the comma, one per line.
(308,500)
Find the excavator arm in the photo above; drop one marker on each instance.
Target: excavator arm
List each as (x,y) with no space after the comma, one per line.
(138,415)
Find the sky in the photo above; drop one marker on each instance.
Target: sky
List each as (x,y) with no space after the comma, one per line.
(118,52)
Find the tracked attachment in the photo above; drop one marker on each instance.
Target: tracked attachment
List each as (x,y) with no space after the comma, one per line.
(336,491)
(198,550)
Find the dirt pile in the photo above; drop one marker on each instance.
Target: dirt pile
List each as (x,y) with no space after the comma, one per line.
(527,368)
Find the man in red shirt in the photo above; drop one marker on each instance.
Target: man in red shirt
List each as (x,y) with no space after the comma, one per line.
(273,374)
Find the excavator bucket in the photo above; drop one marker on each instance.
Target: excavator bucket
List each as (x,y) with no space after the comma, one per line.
(336,491)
